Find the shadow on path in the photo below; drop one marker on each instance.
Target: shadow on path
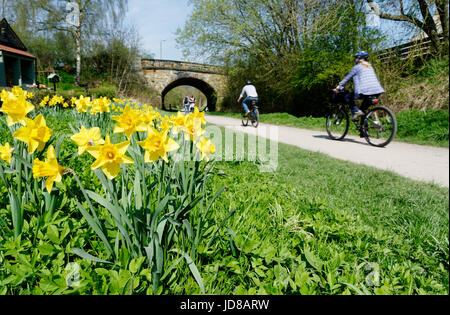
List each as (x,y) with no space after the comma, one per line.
(343,140)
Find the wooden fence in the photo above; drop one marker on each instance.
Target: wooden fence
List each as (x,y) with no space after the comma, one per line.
(412,50)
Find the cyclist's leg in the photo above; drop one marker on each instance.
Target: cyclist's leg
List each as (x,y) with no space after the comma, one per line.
(245,105)
(350,100)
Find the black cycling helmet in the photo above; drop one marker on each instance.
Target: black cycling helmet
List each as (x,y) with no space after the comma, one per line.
(362,55)
(249,82)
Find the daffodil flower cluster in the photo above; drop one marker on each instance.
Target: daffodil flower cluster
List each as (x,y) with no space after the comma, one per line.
(155,133)
(156,145)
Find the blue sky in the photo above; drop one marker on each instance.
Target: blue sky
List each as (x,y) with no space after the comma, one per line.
(158,20)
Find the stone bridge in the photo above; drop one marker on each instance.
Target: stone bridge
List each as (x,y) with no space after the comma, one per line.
(165,75)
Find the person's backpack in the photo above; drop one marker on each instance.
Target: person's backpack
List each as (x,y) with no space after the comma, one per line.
(186,100)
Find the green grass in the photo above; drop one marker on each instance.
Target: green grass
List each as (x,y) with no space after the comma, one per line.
(429,127)
(317,225)
(318,222)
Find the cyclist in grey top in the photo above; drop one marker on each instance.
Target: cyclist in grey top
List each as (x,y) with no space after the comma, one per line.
(365,82)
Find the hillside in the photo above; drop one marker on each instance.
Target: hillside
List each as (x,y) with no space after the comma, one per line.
(428,88)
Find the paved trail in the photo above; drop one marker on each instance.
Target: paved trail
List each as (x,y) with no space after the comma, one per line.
(422,163)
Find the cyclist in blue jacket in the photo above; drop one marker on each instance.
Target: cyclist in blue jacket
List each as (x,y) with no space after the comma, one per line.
(365,82)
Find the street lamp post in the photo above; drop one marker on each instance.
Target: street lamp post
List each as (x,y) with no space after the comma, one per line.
(161,44)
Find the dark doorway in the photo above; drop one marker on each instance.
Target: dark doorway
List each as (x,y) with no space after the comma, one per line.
(205,88)
(11,71)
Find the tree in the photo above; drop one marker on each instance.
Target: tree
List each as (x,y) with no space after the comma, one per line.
(79,18)
(268,41)
(430,16)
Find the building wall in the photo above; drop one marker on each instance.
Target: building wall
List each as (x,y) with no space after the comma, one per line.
(2,70)
(22,68)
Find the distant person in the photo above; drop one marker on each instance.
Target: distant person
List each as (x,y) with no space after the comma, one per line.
(249,90)
(186,103)
(365,82)
(192,104)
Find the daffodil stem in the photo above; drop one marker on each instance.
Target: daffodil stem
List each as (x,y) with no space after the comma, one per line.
(19,173)
(161,178)
(83,192)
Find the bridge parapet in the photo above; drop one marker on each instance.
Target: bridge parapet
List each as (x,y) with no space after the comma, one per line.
(155,64)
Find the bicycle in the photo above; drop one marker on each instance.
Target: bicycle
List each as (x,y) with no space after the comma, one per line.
(378,125)
(252,116)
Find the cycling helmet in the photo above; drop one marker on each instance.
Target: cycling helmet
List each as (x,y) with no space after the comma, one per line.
(249,82)
(363,55)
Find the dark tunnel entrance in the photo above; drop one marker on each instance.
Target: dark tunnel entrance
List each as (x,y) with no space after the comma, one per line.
(202,86)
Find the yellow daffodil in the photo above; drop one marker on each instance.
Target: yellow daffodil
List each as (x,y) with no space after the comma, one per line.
(83,104)
(198,115)
(109,157)
(129,122)
(193,130)
(16,106)
(35,133)
(157,145)
(56,100)
(149,116)
(100,105)
(87,138)
(50,169)
(206,147)
(44,101)
(179,123)
(17,91)
(6,152)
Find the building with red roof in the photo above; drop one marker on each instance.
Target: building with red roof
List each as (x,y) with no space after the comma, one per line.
(17,65)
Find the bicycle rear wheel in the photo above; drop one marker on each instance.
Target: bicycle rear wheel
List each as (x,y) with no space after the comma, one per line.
(380,126)
(338,124)
(255,118)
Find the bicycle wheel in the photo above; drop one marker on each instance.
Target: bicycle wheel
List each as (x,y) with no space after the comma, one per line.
(245,119)
(255,118)
(337,124)
(380,127)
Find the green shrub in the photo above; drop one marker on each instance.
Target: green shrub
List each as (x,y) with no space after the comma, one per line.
(104,91)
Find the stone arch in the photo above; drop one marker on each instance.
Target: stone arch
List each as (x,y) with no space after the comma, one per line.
(165,75)
(201,85)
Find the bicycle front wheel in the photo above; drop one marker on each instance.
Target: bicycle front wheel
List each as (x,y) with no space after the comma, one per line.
(338,124)
(380,127)
(245,119)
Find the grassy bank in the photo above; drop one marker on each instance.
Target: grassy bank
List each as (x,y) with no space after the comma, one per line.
(429,127)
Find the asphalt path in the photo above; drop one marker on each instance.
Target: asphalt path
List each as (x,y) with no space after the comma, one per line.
(417,162)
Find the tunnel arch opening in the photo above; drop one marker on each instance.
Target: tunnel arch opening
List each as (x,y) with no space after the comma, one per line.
(202,86)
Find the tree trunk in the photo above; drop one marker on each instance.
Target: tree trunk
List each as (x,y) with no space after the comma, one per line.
(442,8)
(78,65)
(427,25)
